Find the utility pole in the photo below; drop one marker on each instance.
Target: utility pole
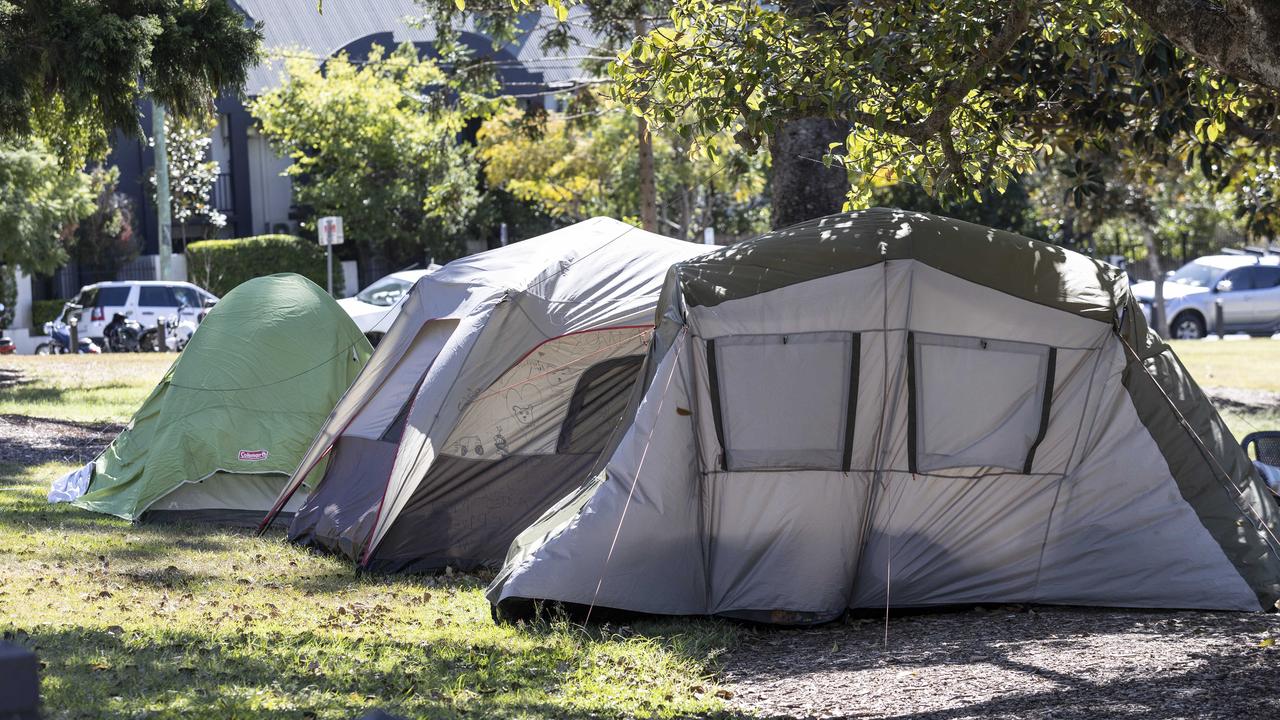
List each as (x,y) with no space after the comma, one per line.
(164,223)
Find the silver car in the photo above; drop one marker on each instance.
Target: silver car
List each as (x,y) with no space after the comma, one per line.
(1247,285)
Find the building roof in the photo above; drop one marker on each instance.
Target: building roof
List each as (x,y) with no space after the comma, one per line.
(297,27)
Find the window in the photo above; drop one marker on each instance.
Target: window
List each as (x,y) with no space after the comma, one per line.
(385,292)
(111,296)
(1268,277)
(1250,278)
(156,296)
(599,399)
(1195,274)
(186,296)
(975,402)
(784,401)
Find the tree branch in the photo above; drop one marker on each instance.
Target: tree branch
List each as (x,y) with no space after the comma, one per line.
(955,91)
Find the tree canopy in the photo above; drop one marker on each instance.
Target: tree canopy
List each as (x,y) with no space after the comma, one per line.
(953,96)
(376,143)
(40,203)
(576,165)
(958,97)
(72,71)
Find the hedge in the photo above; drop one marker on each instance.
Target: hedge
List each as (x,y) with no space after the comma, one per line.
(220,265)
(42,311)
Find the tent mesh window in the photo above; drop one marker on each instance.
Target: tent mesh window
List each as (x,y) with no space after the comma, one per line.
(975,402)
(784,401)
(598,402)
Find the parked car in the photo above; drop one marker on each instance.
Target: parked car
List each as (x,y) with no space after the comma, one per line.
(145,301)
(374,308)
(1248,286)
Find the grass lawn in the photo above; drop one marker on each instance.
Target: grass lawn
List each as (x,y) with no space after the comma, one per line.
(1246,364)
(81,388)
(195,621)
(1250,364)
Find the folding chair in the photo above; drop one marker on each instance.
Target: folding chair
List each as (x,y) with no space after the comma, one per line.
(1265,446)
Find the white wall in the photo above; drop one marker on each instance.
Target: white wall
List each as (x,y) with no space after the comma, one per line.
(350,278)
(22,309)
(272,192)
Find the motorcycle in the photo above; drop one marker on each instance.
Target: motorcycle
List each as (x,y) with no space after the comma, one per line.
(122,334)
(177,332)
(59,332)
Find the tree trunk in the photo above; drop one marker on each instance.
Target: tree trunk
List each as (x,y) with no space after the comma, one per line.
(686,212)
(644,146)
(1237,37)
(1157,277)
(803,188)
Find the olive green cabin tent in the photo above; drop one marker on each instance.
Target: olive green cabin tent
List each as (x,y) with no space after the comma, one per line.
(886,408)
(228,424)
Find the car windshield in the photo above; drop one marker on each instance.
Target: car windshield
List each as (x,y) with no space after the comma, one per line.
(1195,274)
(384,292)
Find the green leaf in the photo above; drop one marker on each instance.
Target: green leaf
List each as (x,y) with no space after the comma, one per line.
(561,10)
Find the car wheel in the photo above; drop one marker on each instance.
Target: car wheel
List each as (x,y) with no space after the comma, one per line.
(1187,326)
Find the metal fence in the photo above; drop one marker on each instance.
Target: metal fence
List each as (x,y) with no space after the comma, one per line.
(68,279)
(223,197)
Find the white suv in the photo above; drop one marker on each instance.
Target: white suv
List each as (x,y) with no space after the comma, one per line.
(146,301)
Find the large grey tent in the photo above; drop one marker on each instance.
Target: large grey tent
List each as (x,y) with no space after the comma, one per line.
(495,389)
(889,408)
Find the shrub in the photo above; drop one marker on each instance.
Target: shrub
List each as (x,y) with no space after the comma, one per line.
(220,265)
(42,311)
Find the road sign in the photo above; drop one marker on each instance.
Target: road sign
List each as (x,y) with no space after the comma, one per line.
(330,230)
(329,234)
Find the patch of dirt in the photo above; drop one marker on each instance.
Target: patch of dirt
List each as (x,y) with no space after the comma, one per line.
(1066,663)
(31,441)
(1241,399)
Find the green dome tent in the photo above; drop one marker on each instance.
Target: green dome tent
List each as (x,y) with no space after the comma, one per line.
(222,432)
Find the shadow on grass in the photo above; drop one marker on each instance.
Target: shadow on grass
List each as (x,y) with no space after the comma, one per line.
(12,377)
(118,673)
(36,441)
(25,392)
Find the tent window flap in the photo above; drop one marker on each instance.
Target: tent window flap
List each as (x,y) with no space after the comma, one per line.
(784,401)
(599,399)
(975,402)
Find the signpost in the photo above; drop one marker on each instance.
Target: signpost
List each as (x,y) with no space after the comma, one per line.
(330,234)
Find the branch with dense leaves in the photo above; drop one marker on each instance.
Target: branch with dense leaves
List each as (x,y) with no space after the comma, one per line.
(73,71)
(958,88)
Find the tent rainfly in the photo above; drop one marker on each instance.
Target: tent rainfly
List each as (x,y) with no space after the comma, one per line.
(894,409)
(221,434)
(495,389)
